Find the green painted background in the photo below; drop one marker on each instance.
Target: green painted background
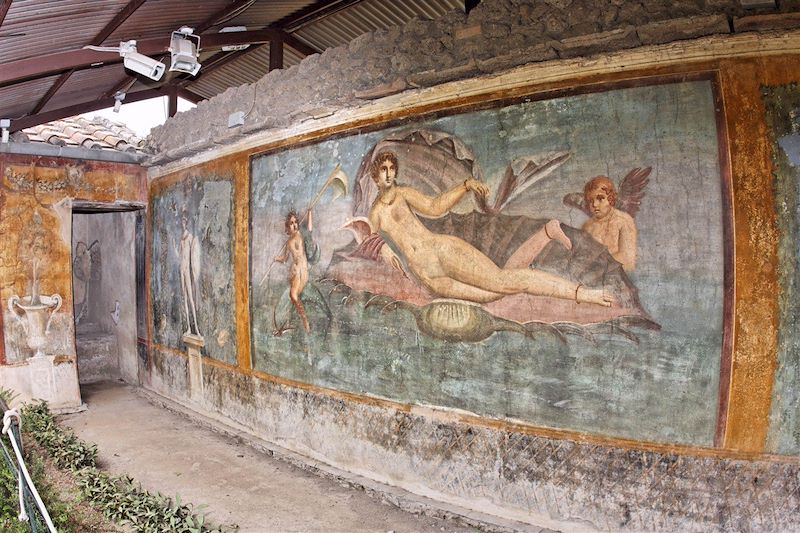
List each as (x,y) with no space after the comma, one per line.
(783,118)
(208,203)
(663,389)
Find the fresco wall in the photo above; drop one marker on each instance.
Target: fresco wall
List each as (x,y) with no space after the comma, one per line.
(191,277)
(36,226)
(529,406)
(783,118)
(528,301)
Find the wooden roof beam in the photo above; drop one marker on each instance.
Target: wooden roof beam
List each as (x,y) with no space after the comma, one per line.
(193,97)
(5,5)
(77,109)
(312,13)
(47,65)
(109,28)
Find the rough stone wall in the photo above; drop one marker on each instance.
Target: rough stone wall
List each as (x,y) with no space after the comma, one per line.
(497,35)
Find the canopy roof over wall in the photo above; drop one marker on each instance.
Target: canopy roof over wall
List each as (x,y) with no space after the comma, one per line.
(46,74)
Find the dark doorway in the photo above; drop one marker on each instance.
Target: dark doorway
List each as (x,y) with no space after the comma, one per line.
(106,249)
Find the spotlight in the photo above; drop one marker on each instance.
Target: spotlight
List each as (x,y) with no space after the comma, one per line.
(139,63)
(234,47)
(184,47)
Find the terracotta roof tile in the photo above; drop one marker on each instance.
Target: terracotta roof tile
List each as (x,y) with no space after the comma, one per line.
(96,133)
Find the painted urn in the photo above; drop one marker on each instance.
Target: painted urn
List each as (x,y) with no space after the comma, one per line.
(35,316)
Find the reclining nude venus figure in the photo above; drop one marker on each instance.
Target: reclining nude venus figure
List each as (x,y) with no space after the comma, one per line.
(448,266)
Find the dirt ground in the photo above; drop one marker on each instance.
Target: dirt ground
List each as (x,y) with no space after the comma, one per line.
(237,484)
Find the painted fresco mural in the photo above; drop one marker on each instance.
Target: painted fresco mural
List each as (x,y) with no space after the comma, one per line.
(558,262)
(783,117)
(192,266)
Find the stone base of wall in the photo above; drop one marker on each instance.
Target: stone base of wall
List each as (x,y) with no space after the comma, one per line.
(515,476)
(45,377)
(400,498)
(98,356)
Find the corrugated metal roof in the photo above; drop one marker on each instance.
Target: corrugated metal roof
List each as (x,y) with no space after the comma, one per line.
(159,18)
(370,15)
(261,14)
(36,29)
(333,30)
(248,69)
(16,100)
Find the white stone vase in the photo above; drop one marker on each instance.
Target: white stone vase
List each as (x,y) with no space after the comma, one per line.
(37,313)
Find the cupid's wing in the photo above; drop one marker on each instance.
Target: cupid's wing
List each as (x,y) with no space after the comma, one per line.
(631,190)
(359,227)
(523,172)
(575,199)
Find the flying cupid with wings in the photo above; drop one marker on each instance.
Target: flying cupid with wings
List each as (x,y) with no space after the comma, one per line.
(611,223)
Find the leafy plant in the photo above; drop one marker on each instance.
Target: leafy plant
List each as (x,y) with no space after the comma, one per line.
(60,512)
(67,450)
(7,395)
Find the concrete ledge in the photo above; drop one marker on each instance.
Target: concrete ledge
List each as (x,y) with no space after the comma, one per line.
(767,22)
(530,54)
(432,77)
(585,45)
(71,152)
(683,28)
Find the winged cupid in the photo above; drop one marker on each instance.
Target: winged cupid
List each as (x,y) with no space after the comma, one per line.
(611,212)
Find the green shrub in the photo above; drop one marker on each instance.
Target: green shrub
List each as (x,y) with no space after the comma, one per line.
(67,450)
(60,512)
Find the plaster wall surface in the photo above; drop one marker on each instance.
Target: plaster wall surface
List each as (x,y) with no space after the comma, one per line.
(116,232)
(551,482)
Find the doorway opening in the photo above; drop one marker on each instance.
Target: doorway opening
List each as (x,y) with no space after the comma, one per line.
(107,281)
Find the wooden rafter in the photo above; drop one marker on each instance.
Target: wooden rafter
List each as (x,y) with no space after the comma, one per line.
(288,24)
(94,105)
(109,28)
(47,65)
(186,94)
(312,13)
(5,5)
(234,8)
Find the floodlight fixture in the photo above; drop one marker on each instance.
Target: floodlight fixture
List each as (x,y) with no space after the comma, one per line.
(133,60)
(234,47)
(5,123)
(184,47)
(118,98)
